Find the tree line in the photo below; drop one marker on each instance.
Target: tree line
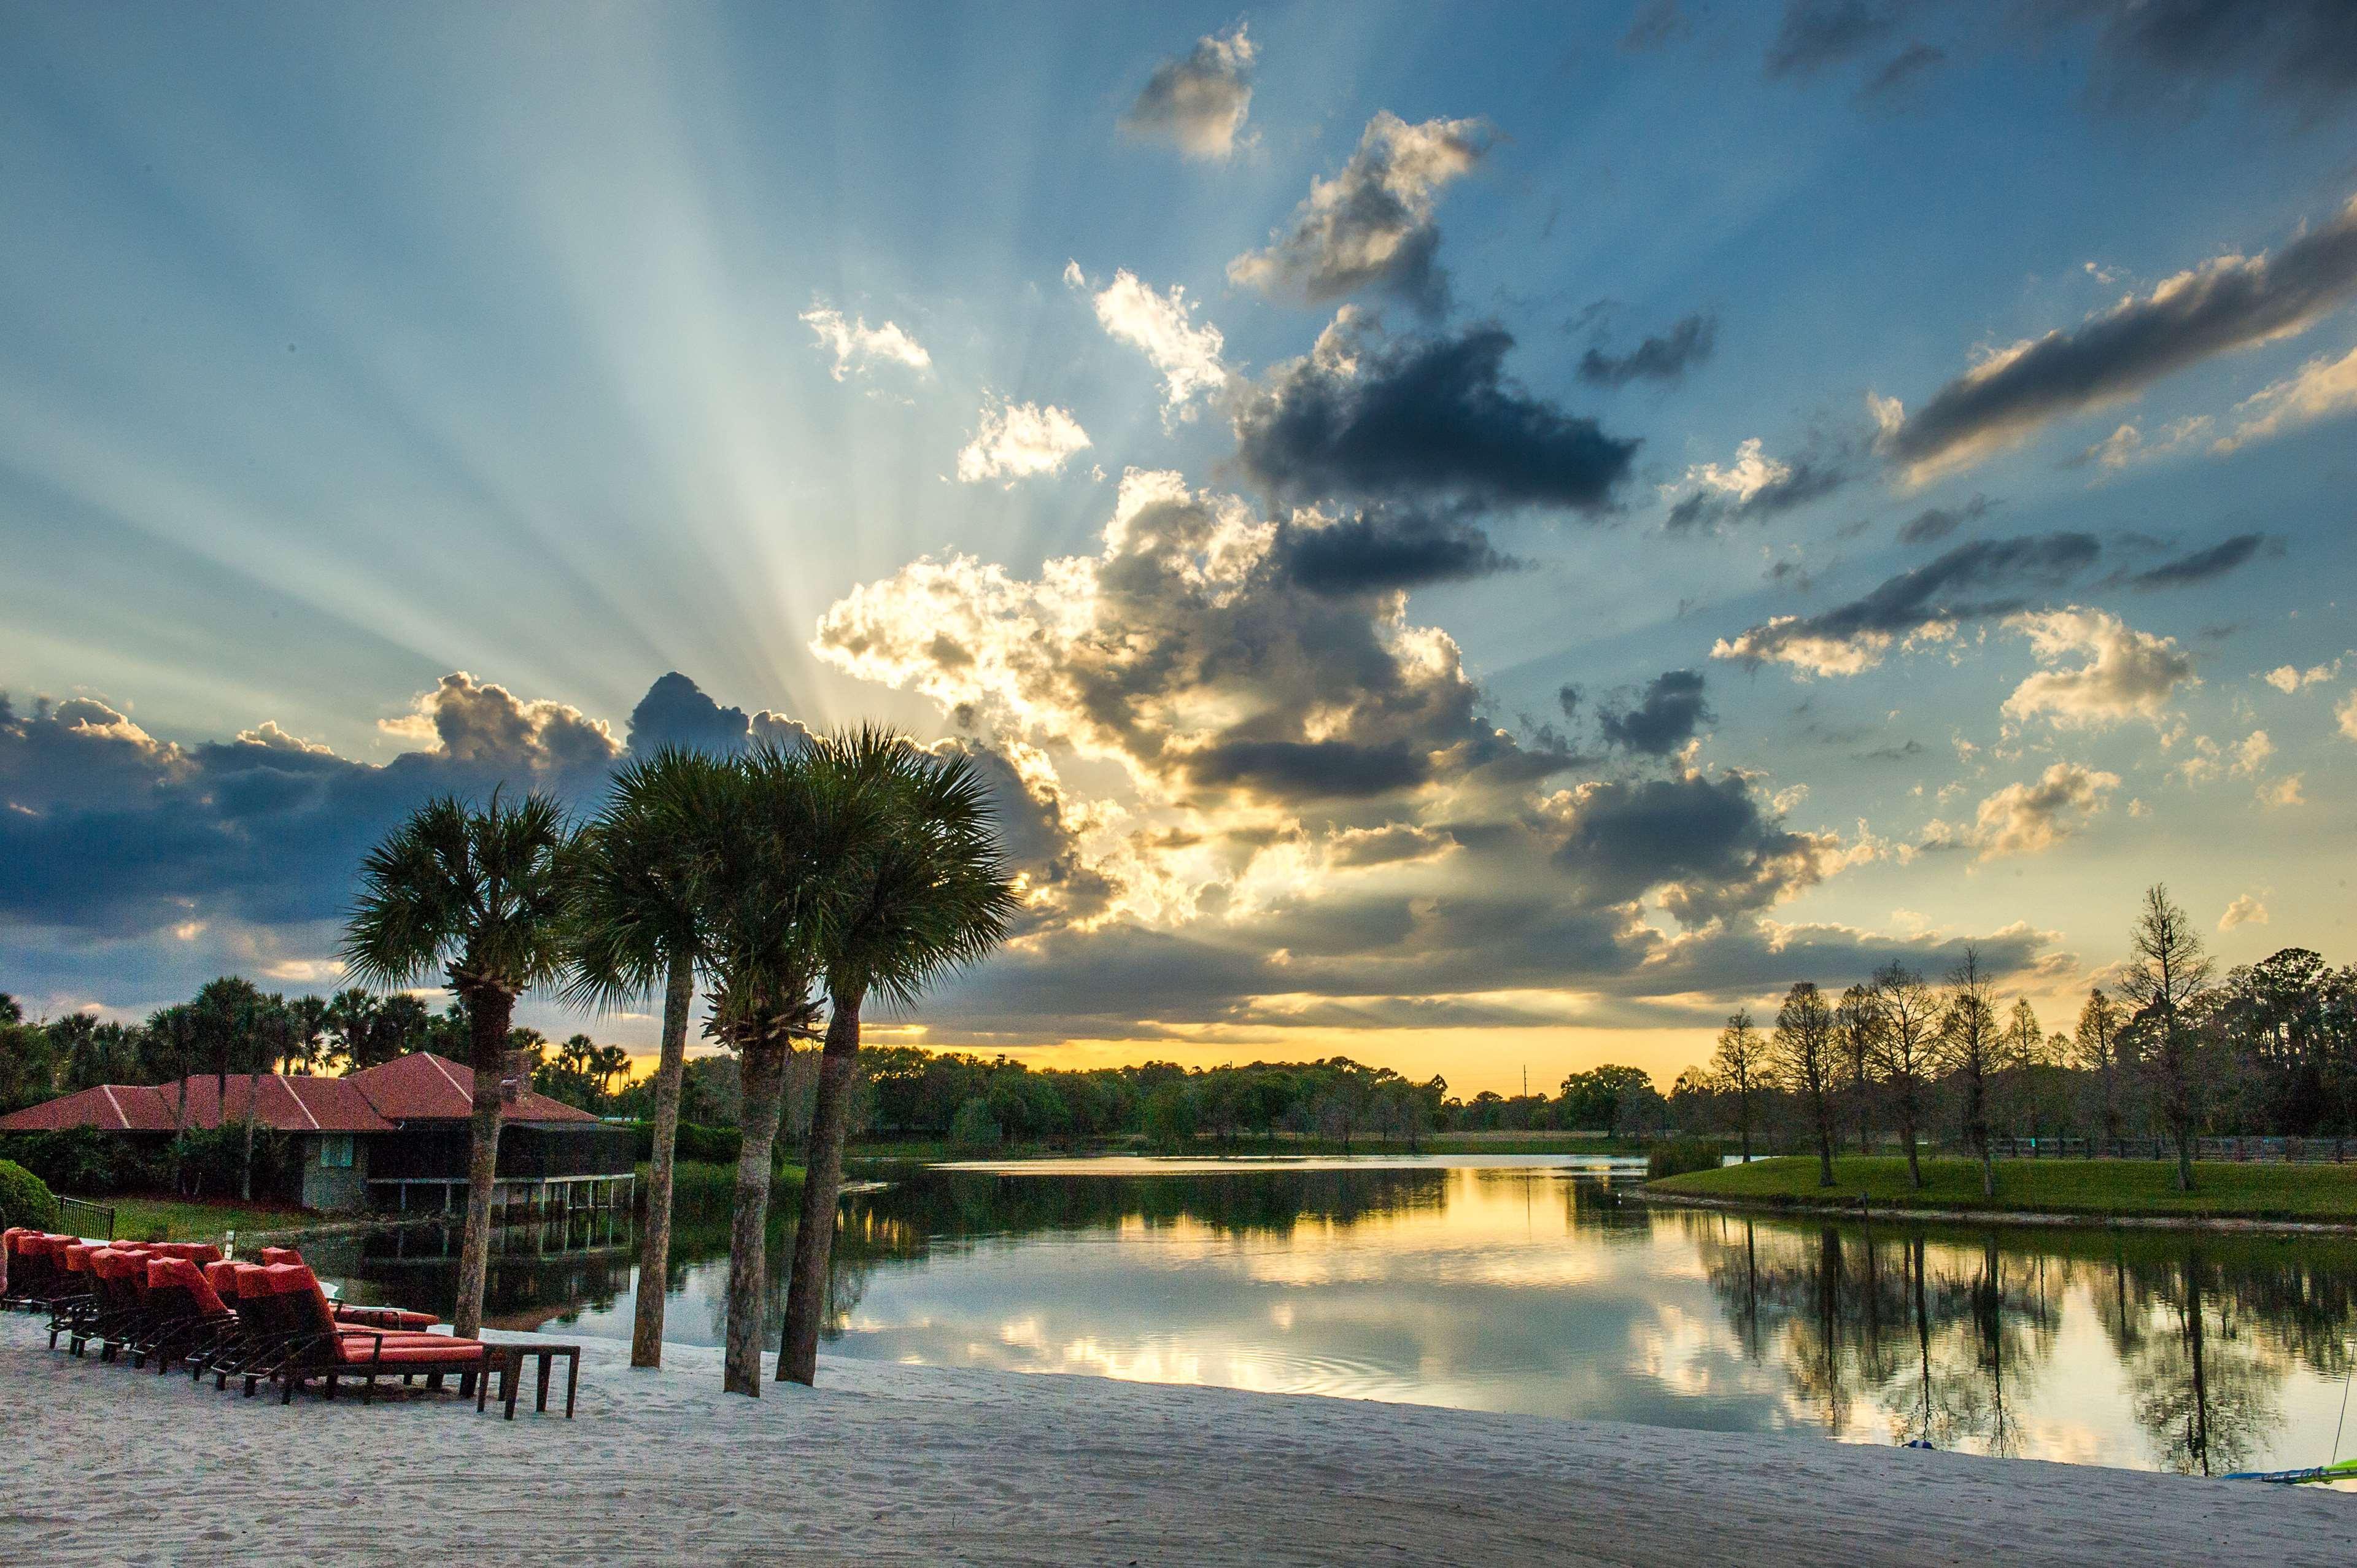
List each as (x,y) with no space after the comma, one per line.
(2171,1050)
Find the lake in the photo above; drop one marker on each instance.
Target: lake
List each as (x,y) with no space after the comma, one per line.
(1522,1283)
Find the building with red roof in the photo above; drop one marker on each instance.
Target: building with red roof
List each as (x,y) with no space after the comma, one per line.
(392,1136)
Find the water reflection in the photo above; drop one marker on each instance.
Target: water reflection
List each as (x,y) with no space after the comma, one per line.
(1539,1291)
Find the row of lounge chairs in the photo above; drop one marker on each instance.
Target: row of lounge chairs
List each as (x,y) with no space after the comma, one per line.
(181,1304)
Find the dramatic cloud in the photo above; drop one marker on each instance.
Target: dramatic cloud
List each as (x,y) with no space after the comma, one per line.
(1198,101)
(857,345)
(1664,359)
(1754,486)
(2121,673)
(2324,388)
(1934,523)
(1287,789)
(109,832)
(1014,440)
(1924,604)
(2199,566)
(1435,418)
(676,711)
(1371,225)
(1662,719)
(1382,550)
(2030,818)
(2245,910)
(2233,302)
(1162,327)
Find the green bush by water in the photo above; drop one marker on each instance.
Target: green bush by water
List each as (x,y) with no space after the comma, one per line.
(1680,1155)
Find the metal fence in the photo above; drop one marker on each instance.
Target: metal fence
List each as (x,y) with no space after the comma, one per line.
(81,1217)
(2262,1151)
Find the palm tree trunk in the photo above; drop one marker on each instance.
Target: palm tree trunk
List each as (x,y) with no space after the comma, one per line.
(762,1073)
(654,1247)
(822,1188)
(489,1010)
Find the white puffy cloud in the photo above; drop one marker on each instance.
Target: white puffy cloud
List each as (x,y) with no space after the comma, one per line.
(1015,440)
(473,721)
(2121,672)
(2321,389)
(2245,910)
(2346,713)
(2290,678)
(857,345)
(1752,471)
(1372,224)
(2030,819)
(1198,101)
(1162,327)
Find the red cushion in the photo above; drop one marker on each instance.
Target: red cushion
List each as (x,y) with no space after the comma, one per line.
(222,1277)
(179,1274)
(281,1255)
(399,1350)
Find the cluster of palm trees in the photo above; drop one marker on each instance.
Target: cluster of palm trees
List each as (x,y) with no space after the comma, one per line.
(793,884)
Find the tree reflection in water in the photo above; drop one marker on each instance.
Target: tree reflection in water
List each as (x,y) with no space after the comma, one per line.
(1523,1289)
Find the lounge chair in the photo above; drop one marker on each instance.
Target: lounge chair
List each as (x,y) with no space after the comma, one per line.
(324,1350)
(392,1318)
(186,1314)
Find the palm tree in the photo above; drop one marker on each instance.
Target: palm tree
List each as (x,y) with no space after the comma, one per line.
(637,929)
(769,828)
(918,888)
(481,895)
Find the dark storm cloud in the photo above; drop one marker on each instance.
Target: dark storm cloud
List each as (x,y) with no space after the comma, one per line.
(676,711)
(1934,523)
(2228,304)
(1662,719)
(1819,33)
(1705,845)
(2303,51)
(1901,71)
(109,832)
(1427,418)
(1667,358)
(1380,550)
(1310,770)
(1948,588)
(2199,566)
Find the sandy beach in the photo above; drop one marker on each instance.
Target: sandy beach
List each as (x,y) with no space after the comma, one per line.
(892,1464)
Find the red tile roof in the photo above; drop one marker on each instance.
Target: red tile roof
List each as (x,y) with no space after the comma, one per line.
(418,1088)
(423,1087)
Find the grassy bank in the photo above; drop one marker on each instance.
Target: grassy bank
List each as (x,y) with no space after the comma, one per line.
(2096,1188)
(179,1219)
(932,1151)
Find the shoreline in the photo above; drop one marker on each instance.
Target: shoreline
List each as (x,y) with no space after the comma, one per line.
(897,1463)
(1802,1209)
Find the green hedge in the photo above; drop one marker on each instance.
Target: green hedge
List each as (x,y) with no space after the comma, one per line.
(87,1162)
(1680,1155)
(25,1199)
(704,1145)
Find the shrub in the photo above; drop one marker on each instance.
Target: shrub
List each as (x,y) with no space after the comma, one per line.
(1680,1155)
(701,1146)
(25,1199)
(85,1161)
(974,1127)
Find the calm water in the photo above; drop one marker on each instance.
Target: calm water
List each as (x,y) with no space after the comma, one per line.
(1506,1285)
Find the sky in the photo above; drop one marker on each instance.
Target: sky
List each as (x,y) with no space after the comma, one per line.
(1483,541)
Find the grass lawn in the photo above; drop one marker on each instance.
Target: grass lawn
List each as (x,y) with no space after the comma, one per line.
(178,1220)
(2094,1187)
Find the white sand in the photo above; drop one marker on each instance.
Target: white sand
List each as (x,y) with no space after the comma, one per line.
(887,1464)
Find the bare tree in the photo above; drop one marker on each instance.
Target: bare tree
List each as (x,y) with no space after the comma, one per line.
(1737,1064)
(1857,1021)
(2165,975)
(1907,1050)
(1973,1050)
(2096,1050)
(1804,1054)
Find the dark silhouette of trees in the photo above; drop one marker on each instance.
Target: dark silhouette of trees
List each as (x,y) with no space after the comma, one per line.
(1803,1049)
